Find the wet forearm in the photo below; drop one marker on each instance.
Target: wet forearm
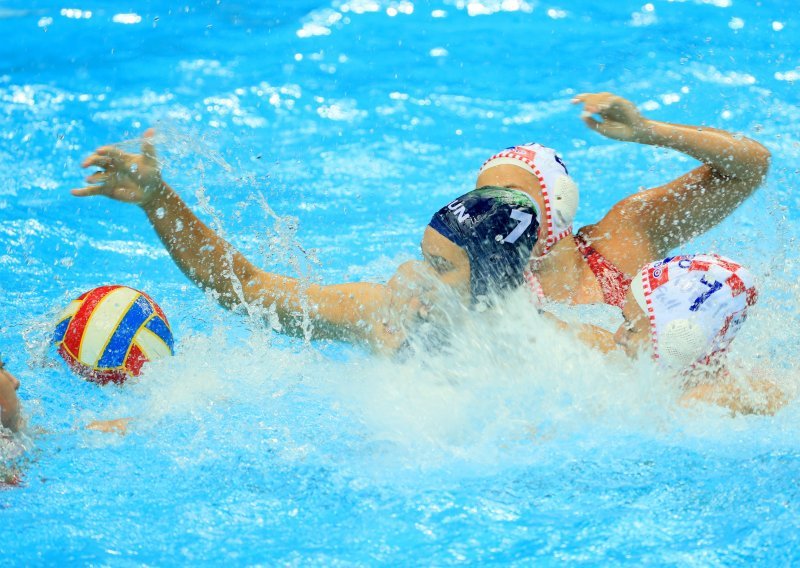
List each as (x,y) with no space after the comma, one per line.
(329,312)
(760,396)
(729,155)
(203,256)
(591,335)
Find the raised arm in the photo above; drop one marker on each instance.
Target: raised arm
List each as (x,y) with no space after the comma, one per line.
(347,311)
(671,214)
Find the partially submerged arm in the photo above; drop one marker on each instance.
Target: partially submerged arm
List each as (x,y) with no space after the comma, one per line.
(759,396)
(116,426)
(592,335)
(669,215)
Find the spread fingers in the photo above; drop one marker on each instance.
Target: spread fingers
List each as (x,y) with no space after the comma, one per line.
(97,177)
(97,161)
(86,191)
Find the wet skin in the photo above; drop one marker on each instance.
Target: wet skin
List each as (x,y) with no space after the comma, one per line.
(634,333)
(9,402)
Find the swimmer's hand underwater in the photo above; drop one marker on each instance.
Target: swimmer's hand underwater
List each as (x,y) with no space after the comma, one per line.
(117,426)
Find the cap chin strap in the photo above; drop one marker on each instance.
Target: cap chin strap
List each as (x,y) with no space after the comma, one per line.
(641,297)
(561,204)
(637,289)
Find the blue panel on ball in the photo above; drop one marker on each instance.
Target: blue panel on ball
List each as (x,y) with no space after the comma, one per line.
(61,329)
(117,348)
(161,329)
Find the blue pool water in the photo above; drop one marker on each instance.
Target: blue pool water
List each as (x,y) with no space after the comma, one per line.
(318,137)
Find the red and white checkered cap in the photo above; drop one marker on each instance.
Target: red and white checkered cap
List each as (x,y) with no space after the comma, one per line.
(559,192)
(696,305)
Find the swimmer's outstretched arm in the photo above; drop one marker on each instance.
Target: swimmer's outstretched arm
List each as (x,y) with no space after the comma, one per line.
(671,214)
(350,312)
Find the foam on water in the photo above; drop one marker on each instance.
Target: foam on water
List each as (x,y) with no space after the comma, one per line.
(506,388)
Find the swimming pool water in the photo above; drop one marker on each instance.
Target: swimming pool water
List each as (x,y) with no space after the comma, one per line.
(319,137)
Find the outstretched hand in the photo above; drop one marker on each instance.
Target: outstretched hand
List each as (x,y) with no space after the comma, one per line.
(130,178)
(620,118)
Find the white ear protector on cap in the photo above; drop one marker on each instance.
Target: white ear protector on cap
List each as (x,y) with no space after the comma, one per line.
(696,305)
(559,191)
(564,201)
(681,343)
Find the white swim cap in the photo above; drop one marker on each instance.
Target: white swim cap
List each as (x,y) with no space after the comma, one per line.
(696,305)
(559,191)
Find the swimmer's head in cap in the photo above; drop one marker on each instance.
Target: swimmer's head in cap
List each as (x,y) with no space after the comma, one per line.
(559,192)
(696,305)
(497,228)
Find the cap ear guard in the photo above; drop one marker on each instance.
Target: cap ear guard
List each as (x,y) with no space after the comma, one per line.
(681,343)
(564,202)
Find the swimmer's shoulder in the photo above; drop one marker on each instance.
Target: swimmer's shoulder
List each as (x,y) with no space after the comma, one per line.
(622,241)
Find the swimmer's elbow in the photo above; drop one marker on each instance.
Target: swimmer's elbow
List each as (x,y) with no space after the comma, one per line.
(746,166)
(763,160)
(754,170)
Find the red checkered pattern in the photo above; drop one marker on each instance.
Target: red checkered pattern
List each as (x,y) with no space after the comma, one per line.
(655,276)
(735,284)
(727,264)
